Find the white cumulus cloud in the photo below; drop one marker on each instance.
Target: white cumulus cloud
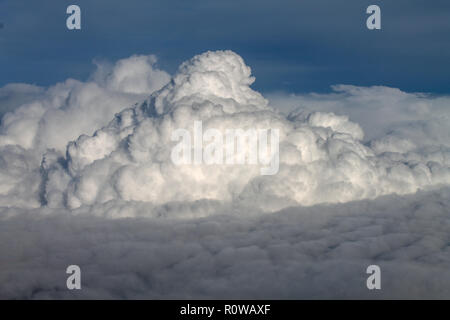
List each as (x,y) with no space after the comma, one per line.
(363,178)
(323,158)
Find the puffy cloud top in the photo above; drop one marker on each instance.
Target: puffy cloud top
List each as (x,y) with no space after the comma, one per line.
(322,156)
(136,75)
(71,150)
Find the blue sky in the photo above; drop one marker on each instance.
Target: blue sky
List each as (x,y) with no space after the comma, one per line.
(293,46)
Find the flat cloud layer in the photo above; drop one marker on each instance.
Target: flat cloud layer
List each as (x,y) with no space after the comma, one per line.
(305,252)
(77,154)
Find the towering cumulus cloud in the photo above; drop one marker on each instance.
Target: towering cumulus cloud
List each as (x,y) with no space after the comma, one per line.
(321,155)
(78,153)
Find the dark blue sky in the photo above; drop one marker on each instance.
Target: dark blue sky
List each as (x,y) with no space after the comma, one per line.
(296,46)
